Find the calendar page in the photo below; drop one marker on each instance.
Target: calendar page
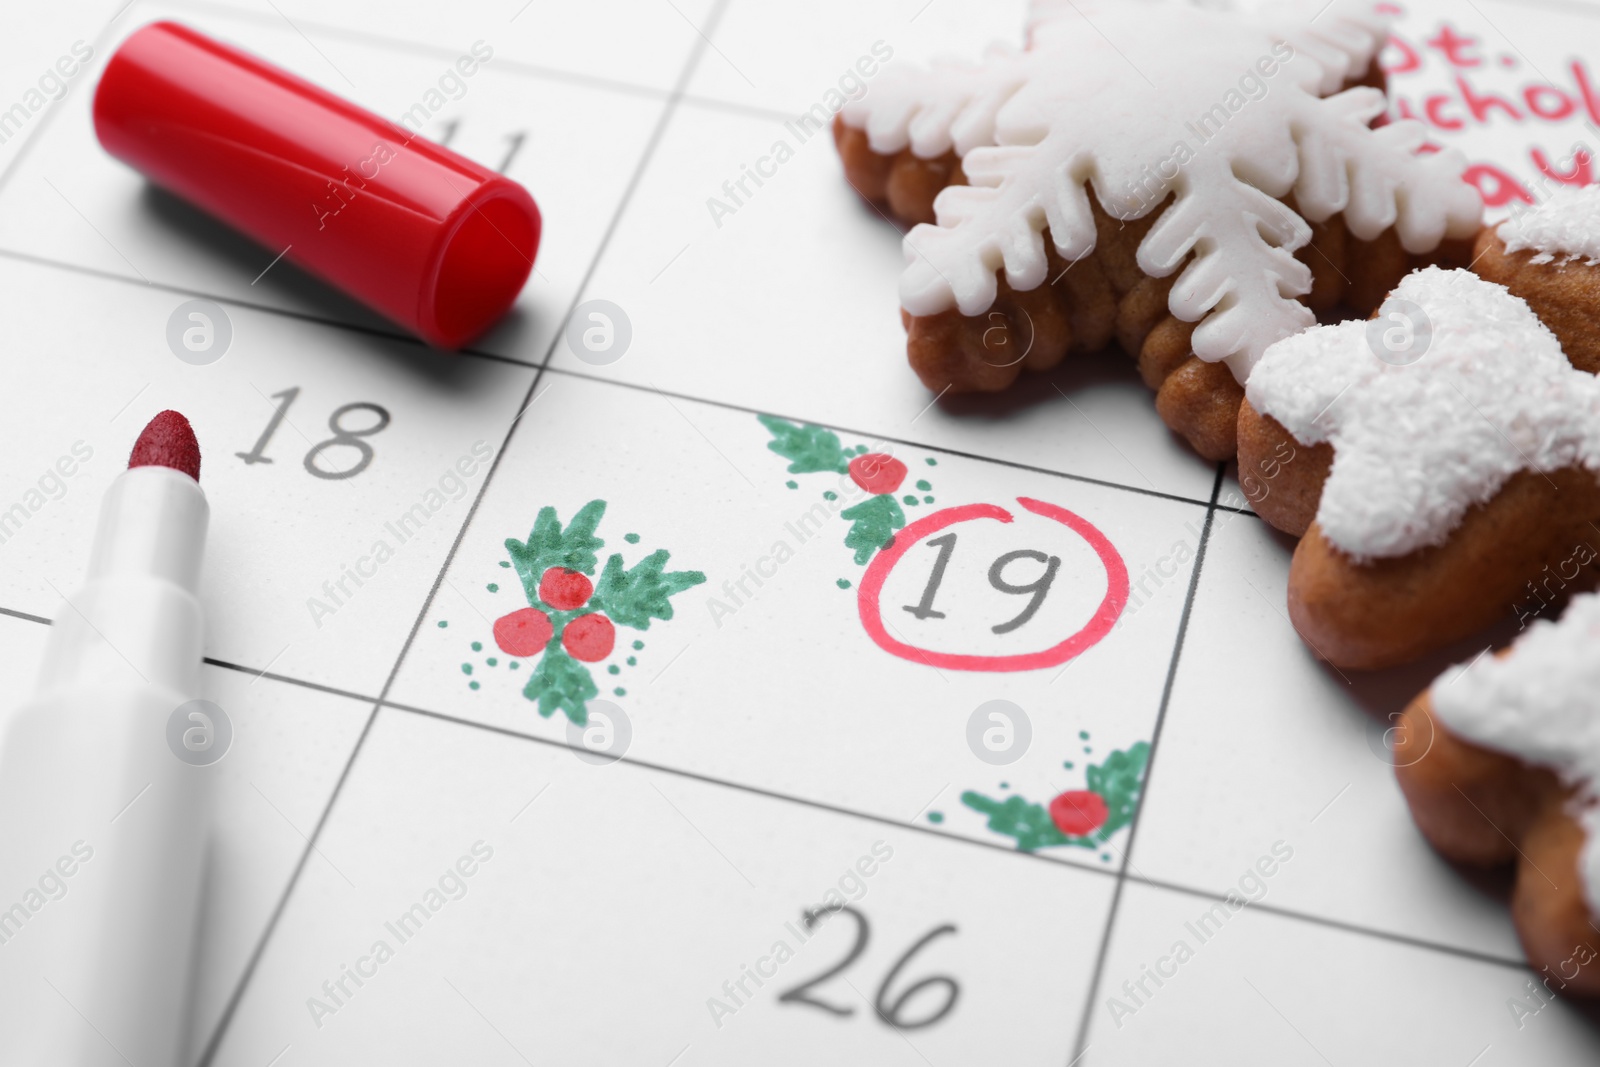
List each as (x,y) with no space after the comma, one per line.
(1045,778)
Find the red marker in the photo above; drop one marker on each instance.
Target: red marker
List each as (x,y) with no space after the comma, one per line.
(102,822)
(420,234)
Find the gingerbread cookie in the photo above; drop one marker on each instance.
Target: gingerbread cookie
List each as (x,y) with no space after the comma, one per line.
(1192,184)
(1441,461)
(1500,763)
(1550,256)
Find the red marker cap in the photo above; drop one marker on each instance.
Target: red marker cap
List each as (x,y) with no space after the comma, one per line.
(428,238)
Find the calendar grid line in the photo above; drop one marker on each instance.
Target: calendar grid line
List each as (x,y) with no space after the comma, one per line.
(301,316)
(946,450)
(727,405)
(697,48)
(44,126)
(1010,850)
(1085,1021)
(682,107)
(1164,884)
(522,67)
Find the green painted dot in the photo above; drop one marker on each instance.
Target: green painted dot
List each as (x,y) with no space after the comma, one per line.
(843,583)
(932,462)
(632,662)
(927,500)
(494,587)
(1087,750)
(861,450)
(924,485)
(910,499)
(1005,785)
(936,817)
(613,669)
(1083,735)
(473,685)
(1106,856)
(505,564)
(1067,764)
(632,539)
(466,668)
(792,484)
(830,495)
(491,661)
(443,624)
(621,692)
(477,646)
(513,665)
(638,645)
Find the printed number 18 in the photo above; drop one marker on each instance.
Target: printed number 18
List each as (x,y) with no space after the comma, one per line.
(1036,590)
(342,437)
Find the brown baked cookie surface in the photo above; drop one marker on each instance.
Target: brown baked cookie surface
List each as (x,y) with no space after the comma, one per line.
(1496,761)
(1191,242)
(1439,484)
(1551,263)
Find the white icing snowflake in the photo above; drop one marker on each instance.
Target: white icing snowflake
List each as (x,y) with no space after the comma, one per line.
(1226,111)
(1541,703)
(1477,391)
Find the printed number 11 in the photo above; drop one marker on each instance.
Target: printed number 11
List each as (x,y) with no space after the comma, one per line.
(1035,590)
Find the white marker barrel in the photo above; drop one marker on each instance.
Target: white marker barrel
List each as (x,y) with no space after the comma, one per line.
(102,826)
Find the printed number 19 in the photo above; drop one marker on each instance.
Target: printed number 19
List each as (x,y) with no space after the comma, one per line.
(1035,590)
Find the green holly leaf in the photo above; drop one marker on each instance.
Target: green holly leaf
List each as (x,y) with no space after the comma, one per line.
(548,545)
(561,682)
(1030,824)
(1118,781)
(873,523)
(634,597)
(808,448)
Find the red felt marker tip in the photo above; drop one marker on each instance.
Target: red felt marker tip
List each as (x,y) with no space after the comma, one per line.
(168,441)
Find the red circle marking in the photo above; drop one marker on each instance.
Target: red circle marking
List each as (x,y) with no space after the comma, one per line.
(1105,617)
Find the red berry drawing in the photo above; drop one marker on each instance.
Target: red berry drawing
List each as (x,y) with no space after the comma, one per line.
(589,638)
(574,609)
(524,632)
(1078,812)
(565,590)
(877,472)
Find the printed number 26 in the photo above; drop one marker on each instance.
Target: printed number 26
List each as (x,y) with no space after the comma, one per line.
(890,1012)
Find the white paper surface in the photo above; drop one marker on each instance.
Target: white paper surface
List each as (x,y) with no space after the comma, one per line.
(776,752)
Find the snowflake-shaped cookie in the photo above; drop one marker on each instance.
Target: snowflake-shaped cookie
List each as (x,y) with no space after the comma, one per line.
(1222,113)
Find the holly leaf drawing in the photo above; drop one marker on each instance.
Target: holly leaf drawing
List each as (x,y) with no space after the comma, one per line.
(633,597)
(808,448)
(548,545)
(873,523)
(1118,781)
(1028,823)
(560,682)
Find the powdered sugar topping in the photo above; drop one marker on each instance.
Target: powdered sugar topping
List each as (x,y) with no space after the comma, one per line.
(1418,444)
(1565,225)
(1541,704)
